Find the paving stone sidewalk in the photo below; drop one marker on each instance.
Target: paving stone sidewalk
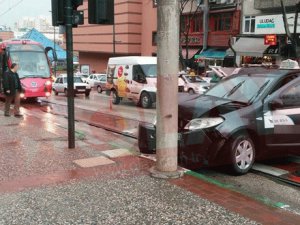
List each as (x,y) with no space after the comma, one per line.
(41,183)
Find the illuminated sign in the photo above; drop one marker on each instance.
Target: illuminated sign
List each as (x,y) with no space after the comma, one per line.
(270,39)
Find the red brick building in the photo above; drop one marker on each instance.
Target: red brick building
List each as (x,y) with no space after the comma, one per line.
(5,35)
(135,22)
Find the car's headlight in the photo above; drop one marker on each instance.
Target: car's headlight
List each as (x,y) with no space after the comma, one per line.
(202,123)
(154,121)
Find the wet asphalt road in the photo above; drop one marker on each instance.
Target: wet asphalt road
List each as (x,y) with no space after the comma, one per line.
(255,185)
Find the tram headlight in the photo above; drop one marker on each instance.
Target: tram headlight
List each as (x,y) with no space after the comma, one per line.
(22,95)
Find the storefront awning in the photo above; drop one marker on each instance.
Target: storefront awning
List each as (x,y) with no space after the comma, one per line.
(191,52)
(249,47)
(272,50)
(212,54)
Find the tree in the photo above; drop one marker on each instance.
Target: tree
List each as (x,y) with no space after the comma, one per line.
(292,36)
(189,9)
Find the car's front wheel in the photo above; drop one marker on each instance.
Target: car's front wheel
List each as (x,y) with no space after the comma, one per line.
(87,93)
(99,89)
(191,91)
(242,151)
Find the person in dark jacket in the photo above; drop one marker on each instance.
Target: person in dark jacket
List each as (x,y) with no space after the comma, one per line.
(12,89)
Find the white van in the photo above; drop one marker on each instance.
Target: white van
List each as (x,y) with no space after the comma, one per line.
(133,78)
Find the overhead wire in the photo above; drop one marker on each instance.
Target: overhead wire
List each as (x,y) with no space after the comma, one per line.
(10,8)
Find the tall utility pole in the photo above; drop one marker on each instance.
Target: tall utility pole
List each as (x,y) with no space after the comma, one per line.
(54,49)
(205,24)
(70,79)
(167,90)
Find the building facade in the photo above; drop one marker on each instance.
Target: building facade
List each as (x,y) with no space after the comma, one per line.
(263,21)
(133,34)
(223,24)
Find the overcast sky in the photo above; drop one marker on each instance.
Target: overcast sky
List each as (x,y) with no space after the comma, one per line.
(14,10)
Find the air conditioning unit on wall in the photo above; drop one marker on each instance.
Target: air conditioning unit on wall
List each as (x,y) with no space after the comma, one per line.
(221,1)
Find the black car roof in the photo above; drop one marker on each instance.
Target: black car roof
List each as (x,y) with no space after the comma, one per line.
(261,71)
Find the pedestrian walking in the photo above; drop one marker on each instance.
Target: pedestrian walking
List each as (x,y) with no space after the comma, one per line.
(12,89)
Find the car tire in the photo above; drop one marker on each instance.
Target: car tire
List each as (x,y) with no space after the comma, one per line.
(66,92)
(115,98)
(145,100)
(191,91)
(99,89)
(55,92)
(87,94)
(242,152)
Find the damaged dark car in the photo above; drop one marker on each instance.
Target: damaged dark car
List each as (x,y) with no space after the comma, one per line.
(244,118)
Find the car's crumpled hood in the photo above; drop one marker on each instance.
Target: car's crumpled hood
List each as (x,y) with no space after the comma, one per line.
(197,106)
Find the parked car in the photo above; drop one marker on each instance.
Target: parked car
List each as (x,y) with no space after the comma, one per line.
(101,84)
(61,86)
(244,118)
(194,84)
(94,78)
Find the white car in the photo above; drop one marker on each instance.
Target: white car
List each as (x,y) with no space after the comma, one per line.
(61,86)
(93,78)
(194,84)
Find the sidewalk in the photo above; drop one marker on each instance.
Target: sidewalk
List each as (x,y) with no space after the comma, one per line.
(43,182)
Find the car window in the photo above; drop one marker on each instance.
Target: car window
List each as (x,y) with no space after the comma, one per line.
(64,80)
(241,88)
(284,81)
(291,97)
(57,80)
(103,78)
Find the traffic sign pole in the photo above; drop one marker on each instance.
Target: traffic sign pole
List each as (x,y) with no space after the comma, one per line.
(70,76)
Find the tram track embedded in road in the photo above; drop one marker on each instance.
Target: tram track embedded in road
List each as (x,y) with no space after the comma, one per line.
(110,122)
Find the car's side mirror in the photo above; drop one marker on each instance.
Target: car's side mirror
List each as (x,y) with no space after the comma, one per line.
(276,104)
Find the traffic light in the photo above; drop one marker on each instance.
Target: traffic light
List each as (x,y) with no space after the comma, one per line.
(101,12)
(58,12)
(58,15)
(78,15)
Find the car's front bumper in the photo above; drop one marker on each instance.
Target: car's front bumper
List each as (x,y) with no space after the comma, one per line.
(195,148)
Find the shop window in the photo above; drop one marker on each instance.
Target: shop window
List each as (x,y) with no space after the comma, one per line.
(223,22)
(249,24)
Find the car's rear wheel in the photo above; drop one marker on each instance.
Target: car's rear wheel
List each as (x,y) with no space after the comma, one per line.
(116,99)
(145,101)
(99,89)
(66,92)
(242,151)
(55,92)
